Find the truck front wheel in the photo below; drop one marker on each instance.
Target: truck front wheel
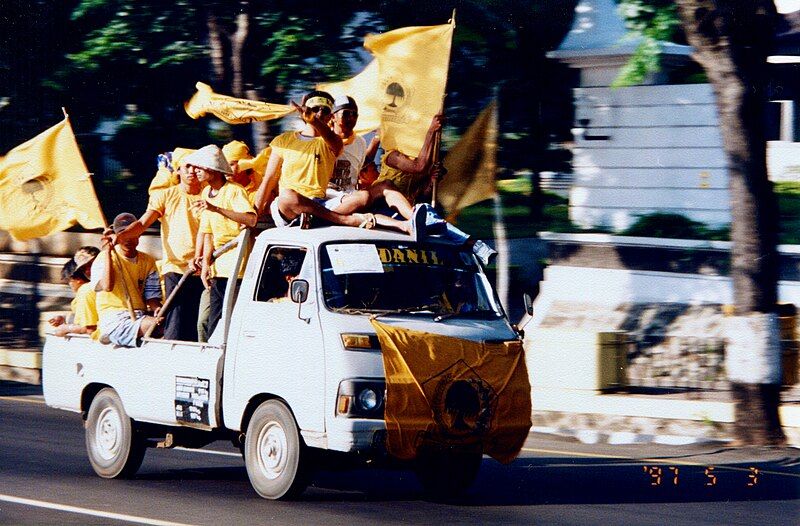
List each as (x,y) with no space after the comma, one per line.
(114,448)
(274,453)
(446,473)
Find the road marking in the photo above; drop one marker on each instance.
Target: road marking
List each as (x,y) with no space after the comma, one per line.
(18,399)
(655,461)
(210,452)
(87,511)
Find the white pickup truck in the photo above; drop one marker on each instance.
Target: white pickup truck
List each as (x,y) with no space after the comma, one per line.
(282,376)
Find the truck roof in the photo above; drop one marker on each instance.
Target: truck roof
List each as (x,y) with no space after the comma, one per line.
(326,234)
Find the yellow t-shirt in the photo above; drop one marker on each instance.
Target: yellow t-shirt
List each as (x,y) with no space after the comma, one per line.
(407,184)
(84,306)
(178,227)
(307,163)
(134,272)
(231,197)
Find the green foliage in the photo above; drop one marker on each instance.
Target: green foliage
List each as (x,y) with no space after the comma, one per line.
(788,195)
(654,22)
(674,226)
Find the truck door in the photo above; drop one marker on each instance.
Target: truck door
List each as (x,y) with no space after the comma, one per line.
(281,352)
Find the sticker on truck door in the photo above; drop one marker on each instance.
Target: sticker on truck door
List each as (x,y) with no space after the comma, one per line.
(191,399)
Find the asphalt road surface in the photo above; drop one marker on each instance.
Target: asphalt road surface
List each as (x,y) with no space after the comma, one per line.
(45,478)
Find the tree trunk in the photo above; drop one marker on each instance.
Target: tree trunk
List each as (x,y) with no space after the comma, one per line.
(215,48)
(732,39)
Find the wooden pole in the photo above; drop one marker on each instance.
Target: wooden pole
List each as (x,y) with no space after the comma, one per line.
(168,303)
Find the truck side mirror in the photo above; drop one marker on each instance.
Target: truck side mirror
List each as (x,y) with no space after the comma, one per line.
(299,290)
(299,293)
(528,301)
(527,317)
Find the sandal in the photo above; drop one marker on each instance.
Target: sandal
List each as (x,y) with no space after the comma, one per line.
(368,221)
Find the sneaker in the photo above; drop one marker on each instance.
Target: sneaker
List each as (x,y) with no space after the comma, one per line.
(484,252)
(417,221)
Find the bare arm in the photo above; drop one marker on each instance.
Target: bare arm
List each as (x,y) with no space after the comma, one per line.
(106,281)
(208,249)
(137,228)
(71,328)
(330,137)
(243,218)
(372,149)
(424,160)
(266,190)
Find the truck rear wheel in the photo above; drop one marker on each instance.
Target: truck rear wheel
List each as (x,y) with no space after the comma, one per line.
(274,453)
(447,473)
(115,449)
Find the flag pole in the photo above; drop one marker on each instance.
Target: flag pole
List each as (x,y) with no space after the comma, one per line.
(499,227)
(437,139)
(113,253)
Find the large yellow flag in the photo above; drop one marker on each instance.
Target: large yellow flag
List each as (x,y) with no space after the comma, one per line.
(471,165)
(45,186)
(412,64)
(364,88)
(231,109)
(453,392)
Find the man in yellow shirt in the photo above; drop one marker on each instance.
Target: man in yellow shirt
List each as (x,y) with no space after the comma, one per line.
(179,226)
(244,167)
(225,211)
(301,165)
(125,279)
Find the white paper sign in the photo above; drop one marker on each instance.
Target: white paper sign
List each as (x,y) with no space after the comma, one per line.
(354,258)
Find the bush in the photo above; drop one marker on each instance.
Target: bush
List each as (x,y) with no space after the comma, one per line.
(675,226)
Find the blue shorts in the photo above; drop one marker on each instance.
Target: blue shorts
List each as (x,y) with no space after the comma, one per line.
(118,327)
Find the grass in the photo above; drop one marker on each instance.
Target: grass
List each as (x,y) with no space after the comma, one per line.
(789,208)
(478,219)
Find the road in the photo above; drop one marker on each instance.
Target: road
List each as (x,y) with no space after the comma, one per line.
(45,478)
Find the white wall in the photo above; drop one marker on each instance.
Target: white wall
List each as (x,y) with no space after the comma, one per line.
(644,149)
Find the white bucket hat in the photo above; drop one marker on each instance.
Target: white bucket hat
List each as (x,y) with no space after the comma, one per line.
(209,157)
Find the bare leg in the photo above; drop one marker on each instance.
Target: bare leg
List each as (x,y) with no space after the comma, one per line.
(292,204)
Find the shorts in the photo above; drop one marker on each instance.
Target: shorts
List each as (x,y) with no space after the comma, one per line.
(280,221)
(118,327)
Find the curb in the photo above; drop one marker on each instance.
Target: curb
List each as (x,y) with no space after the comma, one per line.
(618,438)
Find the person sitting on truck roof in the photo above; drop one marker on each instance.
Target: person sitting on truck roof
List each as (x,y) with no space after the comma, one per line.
(413,176)
(225,209)
(179,227)
(301,165)
(127,285)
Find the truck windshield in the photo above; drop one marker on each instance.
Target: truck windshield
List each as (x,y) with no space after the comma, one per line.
(391,277)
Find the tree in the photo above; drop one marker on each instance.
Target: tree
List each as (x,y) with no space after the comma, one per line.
(732,40)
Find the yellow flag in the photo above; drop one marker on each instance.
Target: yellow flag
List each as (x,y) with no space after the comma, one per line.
(412,64)
(364,88)
(231,109)
(45,186)
(453,392)
(471,165)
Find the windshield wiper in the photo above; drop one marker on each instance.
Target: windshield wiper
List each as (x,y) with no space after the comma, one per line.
(431,307)
(477,314)
(350,310)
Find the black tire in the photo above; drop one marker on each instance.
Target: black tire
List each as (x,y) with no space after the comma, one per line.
(447,473)
(274,453)
(115,449)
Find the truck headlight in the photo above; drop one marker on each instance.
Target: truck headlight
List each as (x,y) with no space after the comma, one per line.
(359,398)
(368,399)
